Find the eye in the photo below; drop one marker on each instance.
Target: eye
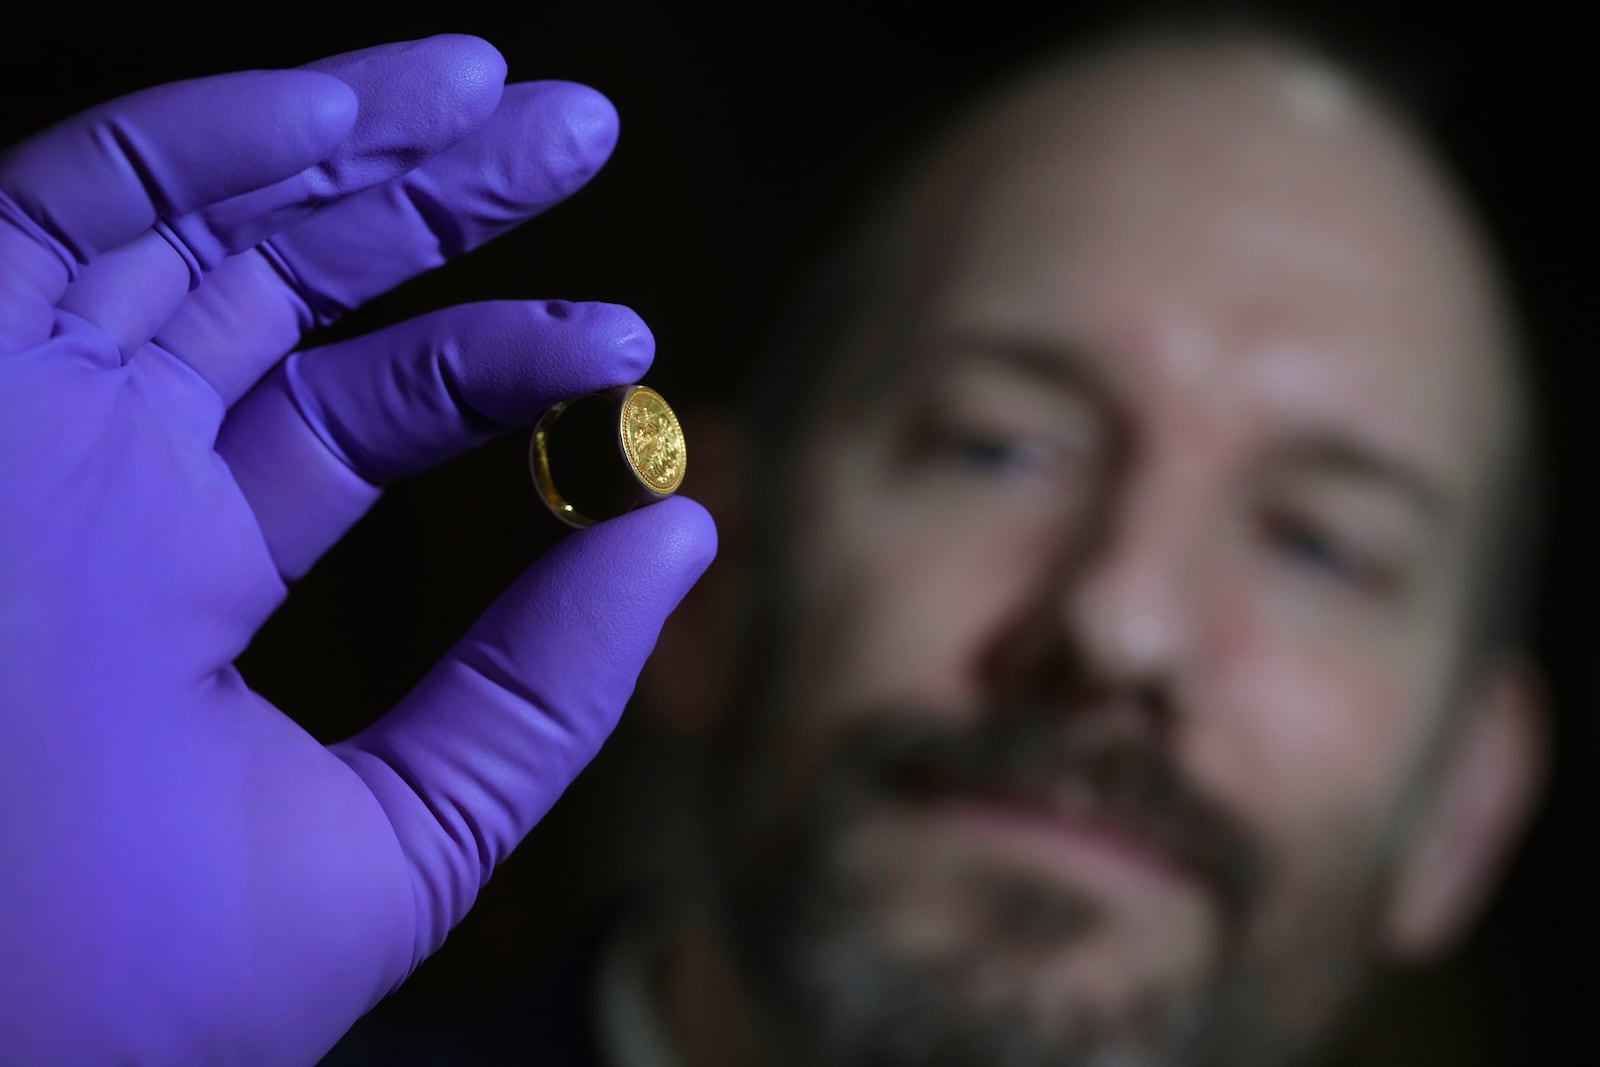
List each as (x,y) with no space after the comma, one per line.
(989,453)
(1313,548)
(979,451)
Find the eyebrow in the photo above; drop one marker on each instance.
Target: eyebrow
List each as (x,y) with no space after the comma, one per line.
(1334,453)
(1050,363)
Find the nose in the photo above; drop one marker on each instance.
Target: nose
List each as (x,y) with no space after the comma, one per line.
(1112,622)
(1123,603)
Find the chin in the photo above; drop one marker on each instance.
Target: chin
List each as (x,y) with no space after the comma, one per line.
(908,962)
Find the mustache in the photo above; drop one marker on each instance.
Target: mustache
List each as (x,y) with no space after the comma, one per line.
(1038,755)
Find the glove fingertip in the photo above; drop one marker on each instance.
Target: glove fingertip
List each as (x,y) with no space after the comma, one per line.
(438,87)
(328,109)
(575,123)
(474,71)
(677,535)
(691,541)
(591,120)
(619,338)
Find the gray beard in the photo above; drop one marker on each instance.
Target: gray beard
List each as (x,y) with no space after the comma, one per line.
(878,1008)
(810,939)
(835,987)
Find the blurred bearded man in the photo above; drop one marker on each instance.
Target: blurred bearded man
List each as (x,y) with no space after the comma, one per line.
(1132,663)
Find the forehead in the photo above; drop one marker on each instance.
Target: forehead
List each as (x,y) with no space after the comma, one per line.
(1233,223)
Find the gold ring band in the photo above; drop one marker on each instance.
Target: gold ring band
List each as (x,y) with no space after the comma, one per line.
(606,453)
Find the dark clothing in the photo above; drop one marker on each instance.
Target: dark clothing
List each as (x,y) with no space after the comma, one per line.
(547,1021)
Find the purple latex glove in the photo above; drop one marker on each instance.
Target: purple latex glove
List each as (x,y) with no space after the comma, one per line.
(187,876)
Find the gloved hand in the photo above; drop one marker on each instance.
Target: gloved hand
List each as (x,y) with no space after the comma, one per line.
(185,875)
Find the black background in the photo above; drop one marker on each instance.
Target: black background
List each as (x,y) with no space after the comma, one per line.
(745,132)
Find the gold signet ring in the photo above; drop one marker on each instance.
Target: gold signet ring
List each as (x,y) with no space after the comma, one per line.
(605,453)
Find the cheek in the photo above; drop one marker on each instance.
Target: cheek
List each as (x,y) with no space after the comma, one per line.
(1305,738)
(897,609)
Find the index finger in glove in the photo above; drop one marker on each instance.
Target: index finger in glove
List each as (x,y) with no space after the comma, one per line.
(97,180)
(310,446)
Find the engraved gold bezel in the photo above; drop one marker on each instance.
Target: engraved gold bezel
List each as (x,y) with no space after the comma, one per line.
(644,399)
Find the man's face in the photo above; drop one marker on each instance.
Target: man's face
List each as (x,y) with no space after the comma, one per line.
(1126,583)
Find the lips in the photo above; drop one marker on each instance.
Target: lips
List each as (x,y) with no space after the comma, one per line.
(1074,816)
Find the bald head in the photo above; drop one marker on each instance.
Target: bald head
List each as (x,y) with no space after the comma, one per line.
(1249,194)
